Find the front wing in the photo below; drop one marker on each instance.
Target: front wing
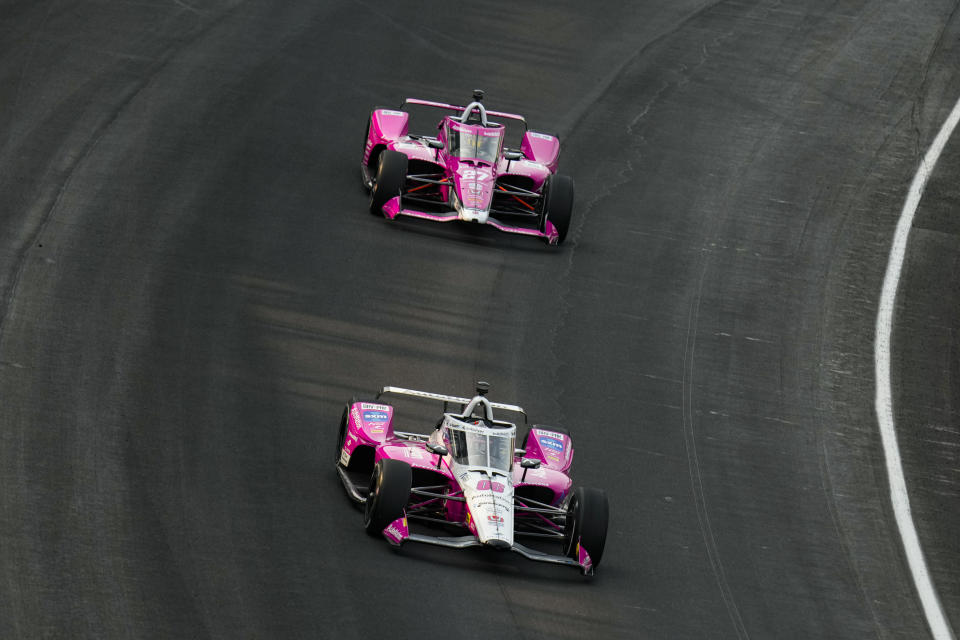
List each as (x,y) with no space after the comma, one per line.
(397,532)
(392,209)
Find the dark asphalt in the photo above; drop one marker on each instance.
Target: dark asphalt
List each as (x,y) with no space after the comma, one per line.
(190,288)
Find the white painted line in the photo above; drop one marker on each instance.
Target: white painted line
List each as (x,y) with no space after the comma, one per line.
(939,625)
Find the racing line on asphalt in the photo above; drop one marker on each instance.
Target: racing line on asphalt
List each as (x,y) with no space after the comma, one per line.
(693,461)
(939,625)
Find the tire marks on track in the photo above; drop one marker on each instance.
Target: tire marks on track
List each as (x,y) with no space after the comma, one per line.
(96,135)
(693,461)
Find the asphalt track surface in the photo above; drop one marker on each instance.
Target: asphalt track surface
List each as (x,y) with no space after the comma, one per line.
(190,288)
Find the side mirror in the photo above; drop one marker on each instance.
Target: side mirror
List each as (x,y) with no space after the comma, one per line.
(512,155)
(438,449)
(433,143)
(520,452)
(527,464)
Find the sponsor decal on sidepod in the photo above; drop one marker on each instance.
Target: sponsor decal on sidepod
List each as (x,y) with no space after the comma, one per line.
(549,434)
(552,443)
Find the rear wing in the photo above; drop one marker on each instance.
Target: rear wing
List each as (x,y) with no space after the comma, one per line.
(448,400)
(453,107)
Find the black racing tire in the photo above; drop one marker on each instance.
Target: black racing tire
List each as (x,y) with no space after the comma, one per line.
(390,485)
(391,178)
(587,518)
(558,205)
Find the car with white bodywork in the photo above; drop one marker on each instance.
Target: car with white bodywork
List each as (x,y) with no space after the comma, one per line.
(466,475)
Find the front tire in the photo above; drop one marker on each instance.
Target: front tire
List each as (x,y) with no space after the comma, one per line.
(558,208)
(390,485)
(391,178)
(587,519)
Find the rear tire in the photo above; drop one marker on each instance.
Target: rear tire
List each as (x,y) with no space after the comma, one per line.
(558,208)
(389,493)
(587,519)
(391,178)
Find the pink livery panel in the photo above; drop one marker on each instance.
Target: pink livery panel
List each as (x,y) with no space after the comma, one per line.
(371,421)
(389,124)
(553,448)
(542,148)
(414,454)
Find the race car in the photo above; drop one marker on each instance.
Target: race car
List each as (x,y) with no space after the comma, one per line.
(465,172)
(466,475)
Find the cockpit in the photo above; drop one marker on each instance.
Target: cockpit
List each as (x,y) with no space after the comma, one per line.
(480,441)
(476,445)
(474,142)
(472,136)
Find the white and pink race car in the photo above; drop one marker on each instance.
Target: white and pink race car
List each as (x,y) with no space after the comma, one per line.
(465,475)
(464,172)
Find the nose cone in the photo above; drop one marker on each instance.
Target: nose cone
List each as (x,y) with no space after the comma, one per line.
(491,507)
(474,186)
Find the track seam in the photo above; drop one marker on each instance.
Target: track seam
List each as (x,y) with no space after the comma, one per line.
(581,110)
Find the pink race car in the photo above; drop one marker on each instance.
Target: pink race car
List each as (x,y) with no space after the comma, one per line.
(464,172)
(466,475)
